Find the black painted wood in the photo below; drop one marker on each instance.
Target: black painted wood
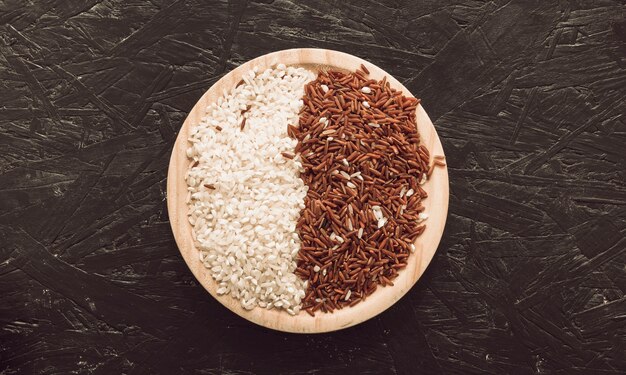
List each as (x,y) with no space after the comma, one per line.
(527,96)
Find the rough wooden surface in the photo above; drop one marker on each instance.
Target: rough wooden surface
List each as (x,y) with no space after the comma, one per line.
(526,95)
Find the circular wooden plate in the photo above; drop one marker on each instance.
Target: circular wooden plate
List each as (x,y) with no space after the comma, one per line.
(436,204)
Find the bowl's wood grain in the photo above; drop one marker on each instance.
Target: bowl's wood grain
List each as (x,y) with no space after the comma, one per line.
(436,204)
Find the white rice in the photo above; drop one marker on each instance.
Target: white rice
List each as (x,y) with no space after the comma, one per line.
(245,228)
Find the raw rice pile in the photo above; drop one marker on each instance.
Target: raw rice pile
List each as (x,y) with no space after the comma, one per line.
(364,166)
(245,194)
(304,190)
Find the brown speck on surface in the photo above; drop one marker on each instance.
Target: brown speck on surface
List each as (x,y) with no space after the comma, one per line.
(430,170)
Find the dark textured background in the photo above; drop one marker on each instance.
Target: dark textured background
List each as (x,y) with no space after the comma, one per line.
(527,97)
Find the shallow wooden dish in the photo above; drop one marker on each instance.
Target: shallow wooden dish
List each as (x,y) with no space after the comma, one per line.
(436,204)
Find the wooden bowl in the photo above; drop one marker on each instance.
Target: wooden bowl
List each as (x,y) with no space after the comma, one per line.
(436,204)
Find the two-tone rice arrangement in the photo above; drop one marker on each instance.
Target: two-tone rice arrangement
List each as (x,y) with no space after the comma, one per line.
(304,190)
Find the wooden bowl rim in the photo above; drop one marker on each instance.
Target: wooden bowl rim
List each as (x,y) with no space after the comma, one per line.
(436,204)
